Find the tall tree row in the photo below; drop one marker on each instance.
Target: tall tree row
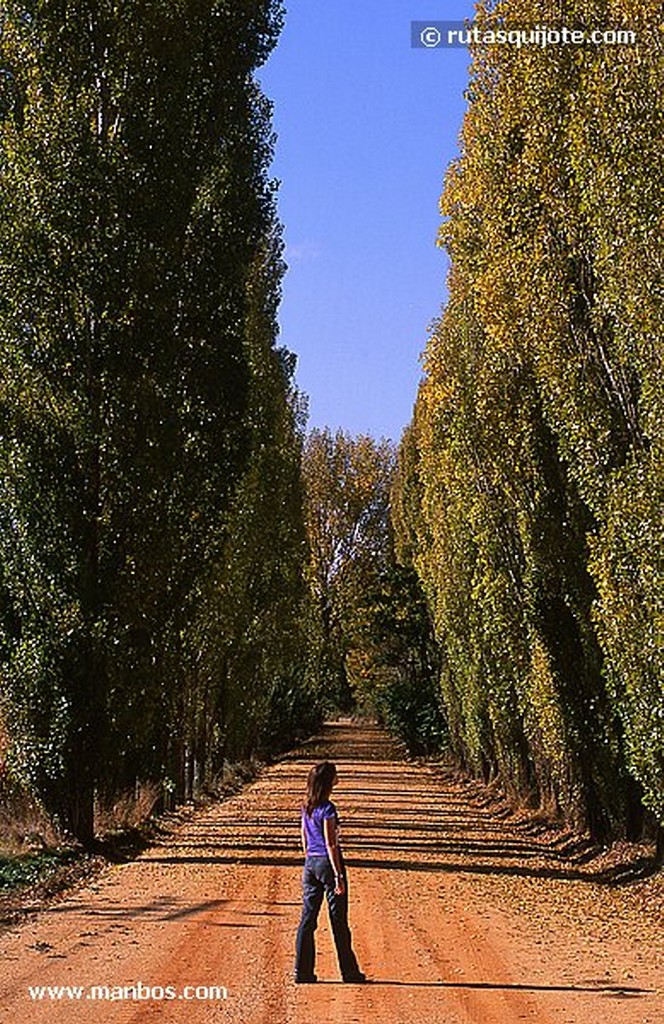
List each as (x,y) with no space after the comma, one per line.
(151,532)
(530,484)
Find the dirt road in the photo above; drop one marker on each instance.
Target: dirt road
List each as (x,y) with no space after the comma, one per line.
(460,915)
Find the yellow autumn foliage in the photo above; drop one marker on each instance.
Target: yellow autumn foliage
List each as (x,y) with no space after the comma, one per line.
(533,468)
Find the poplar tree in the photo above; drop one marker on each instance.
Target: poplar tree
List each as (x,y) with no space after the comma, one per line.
(532,483)
(134,206)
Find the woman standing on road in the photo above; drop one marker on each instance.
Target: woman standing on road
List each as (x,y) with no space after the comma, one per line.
(323,874)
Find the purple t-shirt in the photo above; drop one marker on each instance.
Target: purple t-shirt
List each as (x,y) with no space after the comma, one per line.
(313,828)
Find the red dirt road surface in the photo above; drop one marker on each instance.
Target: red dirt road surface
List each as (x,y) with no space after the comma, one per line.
(461,914)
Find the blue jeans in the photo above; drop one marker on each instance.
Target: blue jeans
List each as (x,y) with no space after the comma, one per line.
(318,879)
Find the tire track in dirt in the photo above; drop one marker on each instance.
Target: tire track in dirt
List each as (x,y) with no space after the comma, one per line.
(459,915)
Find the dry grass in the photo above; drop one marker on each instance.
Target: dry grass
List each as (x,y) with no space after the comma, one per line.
(231,778)
(24,825)
(26,828)
(127,810)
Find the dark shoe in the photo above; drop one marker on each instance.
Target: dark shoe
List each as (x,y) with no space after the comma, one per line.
(357,979)
(305,980)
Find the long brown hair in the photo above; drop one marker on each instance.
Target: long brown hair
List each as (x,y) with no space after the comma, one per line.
(319,785)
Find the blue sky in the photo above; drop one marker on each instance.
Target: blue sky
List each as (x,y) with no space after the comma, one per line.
(366,127)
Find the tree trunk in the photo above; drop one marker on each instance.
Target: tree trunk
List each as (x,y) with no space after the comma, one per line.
(79,812)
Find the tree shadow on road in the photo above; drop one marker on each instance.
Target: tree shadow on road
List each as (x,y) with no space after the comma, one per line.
(617,992)
(610,876)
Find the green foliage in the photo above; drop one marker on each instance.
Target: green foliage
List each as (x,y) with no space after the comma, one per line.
(346,484)
(151,533)
(369,630)
(17,872)
(396,667)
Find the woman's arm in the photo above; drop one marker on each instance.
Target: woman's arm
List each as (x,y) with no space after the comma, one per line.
(303,838)
(331,842)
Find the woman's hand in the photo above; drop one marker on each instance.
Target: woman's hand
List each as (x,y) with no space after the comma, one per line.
(340,885)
